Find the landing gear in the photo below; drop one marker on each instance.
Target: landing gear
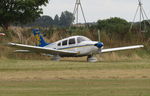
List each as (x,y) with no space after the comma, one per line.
(56,58)
(91,58)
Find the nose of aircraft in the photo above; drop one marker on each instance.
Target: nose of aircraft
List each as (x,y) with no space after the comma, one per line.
(99,44)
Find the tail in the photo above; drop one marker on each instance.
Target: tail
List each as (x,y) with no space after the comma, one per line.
(39,39)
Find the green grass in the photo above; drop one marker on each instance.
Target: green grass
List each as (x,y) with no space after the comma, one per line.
(106,87)
(65,78)
(35,65)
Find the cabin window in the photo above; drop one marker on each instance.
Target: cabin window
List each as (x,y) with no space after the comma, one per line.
(64,43)
(72,41)
(59,44)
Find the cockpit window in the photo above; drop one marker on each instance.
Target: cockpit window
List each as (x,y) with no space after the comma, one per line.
(80,39)
(72,41)
(64,43)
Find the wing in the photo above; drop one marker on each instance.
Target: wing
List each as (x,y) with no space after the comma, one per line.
(121,48)
(36,49)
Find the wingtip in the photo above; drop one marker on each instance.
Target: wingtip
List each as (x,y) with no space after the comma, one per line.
(10,44)
(141,46)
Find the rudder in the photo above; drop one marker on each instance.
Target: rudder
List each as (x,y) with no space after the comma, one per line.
(39,38)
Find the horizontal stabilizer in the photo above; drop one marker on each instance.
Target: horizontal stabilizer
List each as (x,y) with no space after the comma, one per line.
(22,51)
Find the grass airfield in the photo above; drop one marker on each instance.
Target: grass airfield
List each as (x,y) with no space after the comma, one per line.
(74,78)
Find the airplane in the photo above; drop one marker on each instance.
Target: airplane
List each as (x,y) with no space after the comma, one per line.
(74,46)
(2,34)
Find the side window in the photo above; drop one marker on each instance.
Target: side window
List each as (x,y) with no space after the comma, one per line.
(72,41)
(64,43)
(59,44)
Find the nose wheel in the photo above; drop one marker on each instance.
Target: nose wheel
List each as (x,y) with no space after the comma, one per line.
(91,58)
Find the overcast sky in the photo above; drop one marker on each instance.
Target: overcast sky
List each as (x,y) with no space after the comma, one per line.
(98,9)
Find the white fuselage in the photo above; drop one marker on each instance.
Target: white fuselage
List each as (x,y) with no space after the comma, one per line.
(80,44)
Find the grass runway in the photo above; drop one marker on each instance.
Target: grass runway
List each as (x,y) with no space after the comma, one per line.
(65,78)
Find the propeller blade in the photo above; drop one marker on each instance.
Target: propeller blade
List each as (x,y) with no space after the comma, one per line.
(99,37)
(99,50)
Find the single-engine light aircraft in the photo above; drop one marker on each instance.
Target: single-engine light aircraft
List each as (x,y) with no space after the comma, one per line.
(74,46)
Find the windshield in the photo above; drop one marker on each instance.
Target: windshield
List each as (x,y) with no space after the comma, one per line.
(81,39)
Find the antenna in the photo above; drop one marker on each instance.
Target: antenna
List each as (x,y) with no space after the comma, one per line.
(143,15)
(76,11)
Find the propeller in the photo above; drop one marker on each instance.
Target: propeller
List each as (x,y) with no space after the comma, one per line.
(99,44)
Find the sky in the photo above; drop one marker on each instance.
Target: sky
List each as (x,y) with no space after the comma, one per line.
(98,9)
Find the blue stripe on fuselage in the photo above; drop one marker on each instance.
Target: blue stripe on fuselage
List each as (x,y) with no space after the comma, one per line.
(75,47)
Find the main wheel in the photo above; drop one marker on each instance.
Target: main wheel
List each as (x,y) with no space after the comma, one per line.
(56,58)
(91,58)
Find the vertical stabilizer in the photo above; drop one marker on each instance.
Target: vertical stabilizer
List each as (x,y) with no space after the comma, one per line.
(39,38)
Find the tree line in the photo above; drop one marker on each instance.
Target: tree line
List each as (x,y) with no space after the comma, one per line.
(65,20)
(28,13)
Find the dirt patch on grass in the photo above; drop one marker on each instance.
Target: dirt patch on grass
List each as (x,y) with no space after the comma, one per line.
(73,74)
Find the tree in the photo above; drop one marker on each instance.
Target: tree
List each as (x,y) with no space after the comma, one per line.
(21,11)
(56,20)
(44,21)
(116,26)
(66,19)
